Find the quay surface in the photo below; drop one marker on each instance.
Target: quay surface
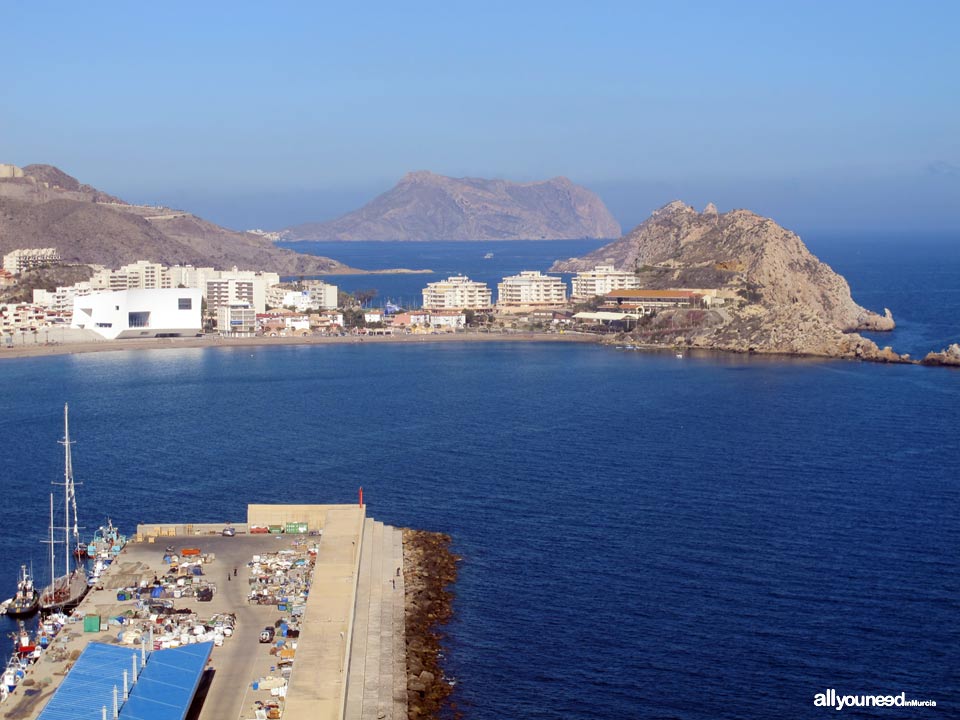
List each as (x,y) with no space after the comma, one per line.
(350,657)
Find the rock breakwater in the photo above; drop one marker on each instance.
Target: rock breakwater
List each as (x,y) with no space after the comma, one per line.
(429,569)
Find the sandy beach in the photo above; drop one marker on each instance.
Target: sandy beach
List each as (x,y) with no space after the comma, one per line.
(41,349)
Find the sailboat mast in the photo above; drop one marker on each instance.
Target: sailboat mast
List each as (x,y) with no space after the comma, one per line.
(67,482)
(53,572)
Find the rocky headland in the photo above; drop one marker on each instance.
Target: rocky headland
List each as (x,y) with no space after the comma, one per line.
(425,206)
(429,569)
(777,297)
(42,206)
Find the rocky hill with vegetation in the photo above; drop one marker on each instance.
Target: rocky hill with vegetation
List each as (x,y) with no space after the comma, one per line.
(42,206)
(426,206)
(779,297)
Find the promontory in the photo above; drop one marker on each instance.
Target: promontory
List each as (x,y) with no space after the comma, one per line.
(771,294)
(425,206)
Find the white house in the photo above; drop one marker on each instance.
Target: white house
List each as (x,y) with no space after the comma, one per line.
(139,313)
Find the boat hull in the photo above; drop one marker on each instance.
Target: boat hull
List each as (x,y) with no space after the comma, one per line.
(23,609)
(68,593)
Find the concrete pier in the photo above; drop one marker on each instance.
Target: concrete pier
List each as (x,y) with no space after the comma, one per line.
(350,656)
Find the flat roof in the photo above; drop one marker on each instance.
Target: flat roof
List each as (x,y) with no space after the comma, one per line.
(649,294)
(163,691)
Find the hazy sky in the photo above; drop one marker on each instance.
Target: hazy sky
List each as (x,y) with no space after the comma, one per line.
(825,115)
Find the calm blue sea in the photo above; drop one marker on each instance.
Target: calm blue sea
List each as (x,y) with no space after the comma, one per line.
(643,537)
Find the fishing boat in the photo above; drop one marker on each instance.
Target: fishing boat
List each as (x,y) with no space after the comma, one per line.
(106,544)
(26,601)
(67,590)
(488,256)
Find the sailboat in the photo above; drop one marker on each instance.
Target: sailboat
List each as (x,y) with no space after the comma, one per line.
(26,600)
(67,590)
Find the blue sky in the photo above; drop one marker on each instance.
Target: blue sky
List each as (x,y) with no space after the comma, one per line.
(841,116)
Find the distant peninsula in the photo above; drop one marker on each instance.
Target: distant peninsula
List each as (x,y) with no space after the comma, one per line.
(424,206)
(42,206)
(774,295)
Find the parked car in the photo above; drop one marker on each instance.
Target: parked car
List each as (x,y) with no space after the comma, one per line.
(229,532)
(267,634)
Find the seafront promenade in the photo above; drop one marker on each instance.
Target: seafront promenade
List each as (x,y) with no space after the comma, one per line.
(348,660)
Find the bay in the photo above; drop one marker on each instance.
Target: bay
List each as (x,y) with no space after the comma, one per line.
(717,537)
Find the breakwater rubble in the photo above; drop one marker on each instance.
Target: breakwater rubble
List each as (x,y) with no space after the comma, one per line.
(429,569)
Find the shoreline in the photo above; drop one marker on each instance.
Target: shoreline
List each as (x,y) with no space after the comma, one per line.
(201,342)
(44,350)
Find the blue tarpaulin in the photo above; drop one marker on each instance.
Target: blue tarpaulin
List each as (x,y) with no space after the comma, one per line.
(163,691)
(167,684)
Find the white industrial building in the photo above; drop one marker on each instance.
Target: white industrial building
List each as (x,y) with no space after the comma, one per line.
(139,313)
(457,293)
(601,280)
(531,288)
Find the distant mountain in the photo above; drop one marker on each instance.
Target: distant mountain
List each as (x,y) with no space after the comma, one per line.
(42,206)
(425,206)
(780,297)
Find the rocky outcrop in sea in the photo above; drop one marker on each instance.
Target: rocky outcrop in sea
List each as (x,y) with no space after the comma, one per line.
(948,356)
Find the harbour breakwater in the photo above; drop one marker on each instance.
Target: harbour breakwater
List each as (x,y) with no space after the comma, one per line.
(429,568)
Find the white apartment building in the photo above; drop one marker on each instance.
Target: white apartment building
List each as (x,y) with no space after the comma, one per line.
(19,260)
(139,313)
(237,319)
(314,296)
(457,293)
(60,301)
(601,280)
(21,317)
(222,293)
(531,288)
(218,287)
(326,296)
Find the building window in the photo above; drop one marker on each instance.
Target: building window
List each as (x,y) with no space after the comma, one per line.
(139,319)
(185,304)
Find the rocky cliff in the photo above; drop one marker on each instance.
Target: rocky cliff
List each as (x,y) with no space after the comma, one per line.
(779,297)
(425,206)
(42,206)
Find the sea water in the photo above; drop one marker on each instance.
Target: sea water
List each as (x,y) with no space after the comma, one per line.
(642,536)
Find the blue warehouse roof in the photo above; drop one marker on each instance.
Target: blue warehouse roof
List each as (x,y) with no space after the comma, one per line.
(163,691)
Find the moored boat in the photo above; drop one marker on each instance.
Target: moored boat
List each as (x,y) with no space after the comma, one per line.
(66,591)
(106,544)
(27,600)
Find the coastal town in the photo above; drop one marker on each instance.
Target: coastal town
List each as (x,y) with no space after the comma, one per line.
(147,299)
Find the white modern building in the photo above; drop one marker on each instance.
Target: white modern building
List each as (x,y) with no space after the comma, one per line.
(601,280)
(139,313)
(457,293)
(531,288)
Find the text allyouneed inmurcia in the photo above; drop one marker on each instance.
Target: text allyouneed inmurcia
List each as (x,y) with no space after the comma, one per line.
(831,698)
